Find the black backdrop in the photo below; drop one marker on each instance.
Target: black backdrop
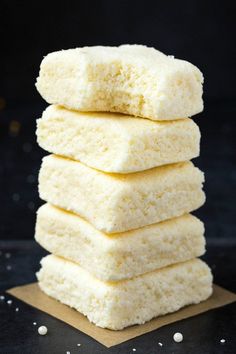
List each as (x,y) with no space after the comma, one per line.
(202,32)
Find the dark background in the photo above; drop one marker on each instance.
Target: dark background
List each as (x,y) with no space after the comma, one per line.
(202,32)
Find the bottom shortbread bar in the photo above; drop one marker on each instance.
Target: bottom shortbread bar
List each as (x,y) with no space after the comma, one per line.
(128,302)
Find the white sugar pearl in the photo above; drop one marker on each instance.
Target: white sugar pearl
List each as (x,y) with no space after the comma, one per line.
(222,341)
(178,337)
(42,330)
(34,323)
(134,349)
(78,344)
(2,297)
(17,309)
(9,302)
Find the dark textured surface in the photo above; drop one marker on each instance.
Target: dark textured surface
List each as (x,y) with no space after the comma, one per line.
(18,335)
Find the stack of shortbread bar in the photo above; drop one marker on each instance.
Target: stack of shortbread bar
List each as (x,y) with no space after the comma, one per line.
(120,186)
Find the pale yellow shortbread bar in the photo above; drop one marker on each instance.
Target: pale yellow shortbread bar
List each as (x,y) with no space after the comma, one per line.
(130,79)
(116,143)
(116,203)
(119,256)
(125,303)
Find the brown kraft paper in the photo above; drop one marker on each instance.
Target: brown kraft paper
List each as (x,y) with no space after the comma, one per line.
(32,295)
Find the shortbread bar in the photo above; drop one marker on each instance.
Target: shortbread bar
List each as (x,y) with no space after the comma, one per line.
(125,303)
(119,256)
(117,143)
(130,79)
(116,203)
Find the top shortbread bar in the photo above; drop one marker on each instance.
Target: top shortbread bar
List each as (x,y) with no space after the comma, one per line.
(130,79)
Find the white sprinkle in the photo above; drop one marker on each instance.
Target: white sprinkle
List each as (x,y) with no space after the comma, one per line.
(8,255)
(134,349)
(178,337)
(9,267)
(78,344)
(160,344)
(9,302)
(15,197)
(67,352)
(222,341)
(27,147)
(34,323)
(17,309)
(42,330)
(2,297)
